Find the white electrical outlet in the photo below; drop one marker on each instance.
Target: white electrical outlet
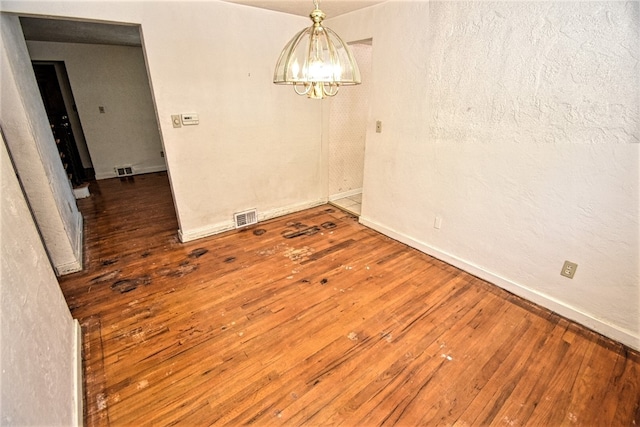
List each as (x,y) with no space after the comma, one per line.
(569,269)
(437,223)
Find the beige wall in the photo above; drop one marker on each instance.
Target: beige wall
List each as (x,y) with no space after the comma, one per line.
(258,145)
(517,124)
(38,335)
(348,115)
(113,77)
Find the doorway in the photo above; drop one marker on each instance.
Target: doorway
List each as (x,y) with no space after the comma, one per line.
(60,107)
(348,118)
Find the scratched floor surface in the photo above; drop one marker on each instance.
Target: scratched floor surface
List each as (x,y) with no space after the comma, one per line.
(313,319)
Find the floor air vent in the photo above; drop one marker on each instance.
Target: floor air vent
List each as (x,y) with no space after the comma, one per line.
(124,171)
(242,219)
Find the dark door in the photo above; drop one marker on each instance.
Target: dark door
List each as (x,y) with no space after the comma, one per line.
(59,120)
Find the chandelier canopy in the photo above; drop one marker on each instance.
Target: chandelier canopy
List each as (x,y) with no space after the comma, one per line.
(316,61)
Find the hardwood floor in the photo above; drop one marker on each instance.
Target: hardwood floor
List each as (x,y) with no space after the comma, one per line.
(314,319)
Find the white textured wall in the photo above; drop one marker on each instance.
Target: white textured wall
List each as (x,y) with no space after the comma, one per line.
(26,128)
(115,78)
(258,145)
(518,124)
(37,331)
(348,114)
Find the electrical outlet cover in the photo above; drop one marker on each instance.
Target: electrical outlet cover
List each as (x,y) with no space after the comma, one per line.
(569,269)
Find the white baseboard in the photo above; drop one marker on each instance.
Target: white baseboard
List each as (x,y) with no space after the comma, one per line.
(209,230)
(277,212)
(82,192)
(68,268)
(212,229)
(344,194)
(136,170)
(78,407)
(79,240)
(76,264)
(614,332)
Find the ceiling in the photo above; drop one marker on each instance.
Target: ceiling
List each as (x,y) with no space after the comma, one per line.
(60,30)
(303,7)
(65,31)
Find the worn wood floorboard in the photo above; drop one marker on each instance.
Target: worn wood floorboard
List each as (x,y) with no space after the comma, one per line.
(313,319)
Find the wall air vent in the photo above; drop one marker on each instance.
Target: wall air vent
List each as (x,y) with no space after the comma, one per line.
(124,170)
(242,219)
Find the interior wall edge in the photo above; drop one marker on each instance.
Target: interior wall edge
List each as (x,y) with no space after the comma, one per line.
(78,247)
(626,337)
(31,144)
